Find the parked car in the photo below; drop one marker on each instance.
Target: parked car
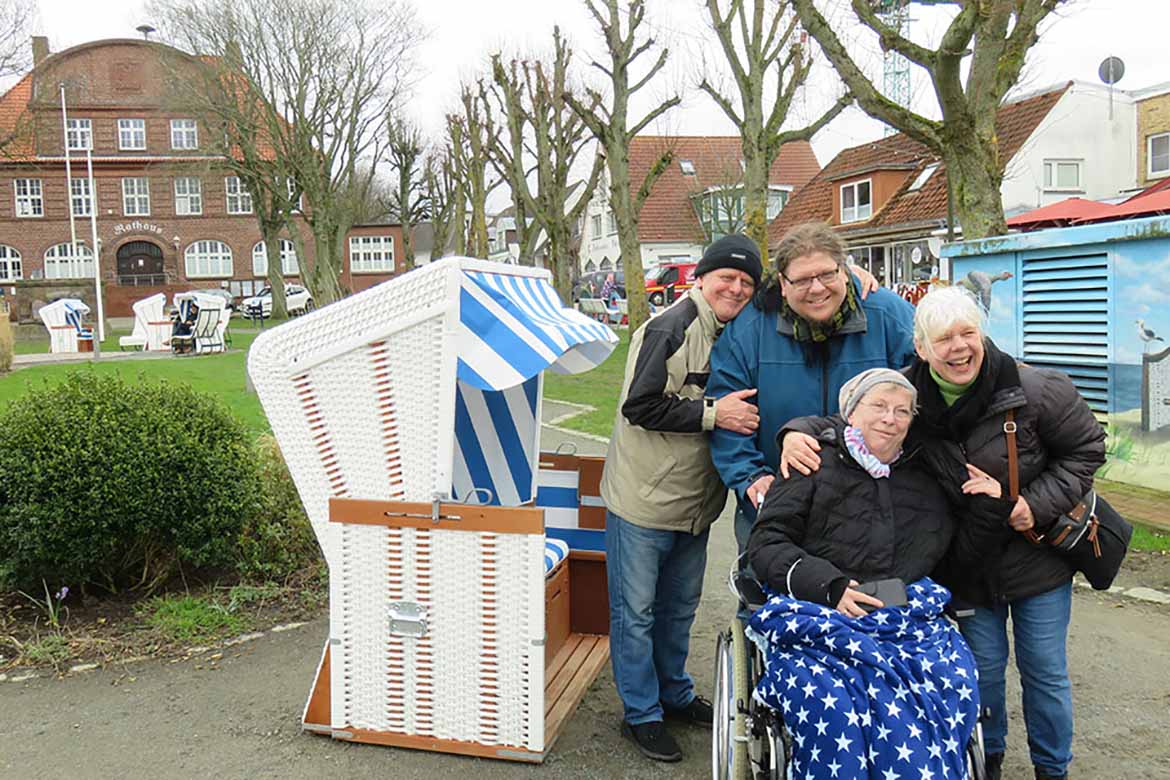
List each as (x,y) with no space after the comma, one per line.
(680,276)
(296,298)
(590,283)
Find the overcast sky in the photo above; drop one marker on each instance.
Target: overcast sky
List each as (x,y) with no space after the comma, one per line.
(464,32)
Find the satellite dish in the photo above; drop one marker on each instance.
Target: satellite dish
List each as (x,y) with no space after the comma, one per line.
(934,244)
(1111,70)
(146,30)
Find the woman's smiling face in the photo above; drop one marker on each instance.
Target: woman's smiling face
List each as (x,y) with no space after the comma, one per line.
(956,354)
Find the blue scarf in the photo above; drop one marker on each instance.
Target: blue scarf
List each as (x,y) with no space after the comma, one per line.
(855,443)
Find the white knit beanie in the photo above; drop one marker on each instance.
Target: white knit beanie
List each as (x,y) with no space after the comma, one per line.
(855,389)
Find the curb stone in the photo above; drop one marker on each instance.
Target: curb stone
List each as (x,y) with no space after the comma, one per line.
(1148,595)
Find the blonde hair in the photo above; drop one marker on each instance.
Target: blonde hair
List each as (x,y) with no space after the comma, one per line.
(940,310)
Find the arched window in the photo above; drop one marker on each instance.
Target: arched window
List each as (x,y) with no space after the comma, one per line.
(288,259)
(590,266)
(64,262)
(606,264)
(208,258)
(10,269)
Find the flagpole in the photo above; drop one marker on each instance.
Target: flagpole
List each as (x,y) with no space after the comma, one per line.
(97,265)
(68,180)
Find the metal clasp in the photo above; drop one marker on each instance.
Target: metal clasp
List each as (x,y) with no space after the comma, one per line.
(408,619)
(1009,426)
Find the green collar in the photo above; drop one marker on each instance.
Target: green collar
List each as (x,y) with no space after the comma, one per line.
(949,390)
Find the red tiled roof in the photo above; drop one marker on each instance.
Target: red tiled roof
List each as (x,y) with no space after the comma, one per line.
(668,214)
(13,105)
(1062,212)
(1014,124)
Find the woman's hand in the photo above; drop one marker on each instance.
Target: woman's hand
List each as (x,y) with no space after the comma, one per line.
(983,484)
(868,282)
(851,601)
(759,489)
(799,451)
(1022,519)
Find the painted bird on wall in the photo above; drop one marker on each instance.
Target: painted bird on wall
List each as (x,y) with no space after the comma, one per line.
(979,284)
(1147,335)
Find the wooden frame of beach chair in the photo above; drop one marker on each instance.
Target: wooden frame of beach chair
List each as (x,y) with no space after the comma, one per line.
(409,418)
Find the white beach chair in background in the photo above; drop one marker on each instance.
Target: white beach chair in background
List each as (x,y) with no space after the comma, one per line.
(409,415)
(152,328)
(62,318)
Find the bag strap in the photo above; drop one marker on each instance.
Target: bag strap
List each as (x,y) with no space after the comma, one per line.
(1009,430)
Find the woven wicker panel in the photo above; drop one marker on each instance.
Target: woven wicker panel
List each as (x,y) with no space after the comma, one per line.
(359,626)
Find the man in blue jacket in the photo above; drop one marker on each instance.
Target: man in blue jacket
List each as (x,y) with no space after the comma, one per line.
(808,332)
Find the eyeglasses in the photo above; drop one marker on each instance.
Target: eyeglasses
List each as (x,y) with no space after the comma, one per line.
(827,278)
(901,413)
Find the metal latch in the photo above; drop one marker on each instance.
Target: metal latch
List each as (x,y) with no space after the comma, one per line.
(408,619)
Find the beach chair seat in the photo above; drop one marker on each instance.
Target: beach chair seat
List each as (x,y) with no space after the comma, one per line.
(447,630)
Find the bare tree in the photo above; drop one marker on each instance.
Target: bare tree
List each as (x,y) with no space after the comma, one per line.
(16,21)
(544,134)
(471,131)
(611,128)
(765,44)
(995,35)
(323,76)
(441,187)
(408,198)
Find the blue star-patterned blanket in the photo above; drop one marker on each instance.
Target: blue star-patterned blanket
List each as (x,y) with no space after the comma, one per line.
(889,696)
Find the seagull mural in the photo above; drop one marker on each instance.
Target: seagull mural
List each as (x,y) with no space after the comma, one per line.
(1147,335)
(978,283)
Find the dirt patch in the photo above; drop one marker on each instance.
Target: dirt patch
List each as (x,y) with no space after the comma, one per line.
(117,628)
(1145,569)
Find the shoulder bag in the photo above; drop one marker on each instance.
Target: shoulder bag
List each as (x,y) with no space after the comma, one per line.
(1092,536)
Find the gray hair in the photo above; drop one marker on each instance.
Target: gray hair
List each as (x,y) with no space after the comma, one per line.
(940,310)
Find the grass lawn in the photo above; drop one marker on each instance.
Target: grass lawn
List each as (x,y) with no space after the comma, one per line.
(219,375)
(598,388)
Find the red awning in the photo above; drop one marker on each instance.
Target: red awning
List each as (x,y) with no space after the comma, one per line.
(1063,212)
(1141,205)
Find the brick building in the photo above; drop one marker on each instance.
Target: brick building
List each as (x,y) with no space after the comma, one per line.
(169,216)
(1153,133)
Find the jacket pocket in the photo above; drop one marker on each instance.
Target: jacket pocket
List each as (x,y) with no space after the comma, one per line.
(664,468)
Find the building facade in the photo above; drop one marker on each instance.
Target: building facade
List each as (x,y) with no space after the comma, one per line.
(169,216)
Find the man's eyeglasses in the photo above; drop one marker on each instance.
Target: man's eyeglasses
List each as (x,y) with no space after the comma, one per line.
(827,278)
(901,413)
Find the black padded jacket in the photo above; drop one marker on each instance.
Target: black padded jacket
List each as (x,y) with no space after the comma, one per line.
(815,533)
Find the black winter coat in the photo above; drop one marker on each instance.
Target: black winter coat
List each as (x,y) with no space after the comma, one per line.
(1060,447)
(815,533)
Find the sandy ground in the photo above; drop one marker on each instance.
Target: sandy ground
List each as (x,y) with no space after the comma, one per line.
(158,719)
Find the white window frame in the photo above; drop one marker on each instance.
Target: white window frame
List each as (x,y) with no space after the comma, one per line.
(29,204)
(611,225)
(79,134)
(1051,173)
(184,134)
(783,194)
(132,135)
(135,196)
(190,196)
(595,226)
(213,255)
(288,259)
(857,212)
(290,187)
(61,263)
(1151,172)
(923,177)
(371,254)
(80,196)
(236,196)
(11,268)
(687,167)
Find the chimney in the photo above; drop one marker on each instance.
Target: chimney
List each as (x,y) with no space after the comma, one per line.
(40,48)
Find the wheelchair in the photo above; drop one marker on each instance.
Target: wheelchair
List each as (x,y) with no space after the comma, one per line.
(749,740)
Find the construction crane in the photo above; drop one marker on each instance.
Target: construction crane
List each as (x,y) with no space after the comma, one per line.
(896,68)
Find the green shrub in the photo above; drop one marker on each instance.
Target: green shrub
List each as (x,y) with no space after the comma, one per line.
(183,618)
(112,483)
(279,540)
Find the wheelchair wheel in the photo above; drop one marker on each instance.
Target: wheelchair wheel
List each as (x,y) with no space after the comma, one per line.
(729,739)
(976,761)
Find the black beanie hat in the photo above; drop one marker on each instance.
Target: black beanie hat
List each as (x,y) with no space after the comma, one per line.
(734,251)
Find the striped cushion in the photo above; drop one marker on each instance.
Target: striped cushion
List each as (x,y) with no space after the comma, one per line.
(555,551)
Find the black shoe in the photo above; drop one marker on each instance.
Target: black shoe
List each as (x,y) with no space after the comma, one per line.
(653,740)
(1042,774)
(699,712)
(993,762)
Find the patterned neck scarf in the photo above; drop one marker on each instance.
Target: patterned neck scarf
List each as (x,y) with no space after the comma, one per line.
(855,443)
(803,330)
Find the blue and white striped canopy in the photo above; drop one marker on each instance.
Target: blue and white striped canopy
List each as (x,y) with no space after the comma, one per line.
(513,327)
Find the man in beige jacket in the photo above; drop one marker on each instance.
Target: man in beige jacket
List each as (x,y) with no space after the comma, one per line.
(662,493)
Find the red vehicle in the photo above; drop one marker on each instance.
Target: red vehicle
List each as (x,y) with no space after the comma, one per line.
(680,276)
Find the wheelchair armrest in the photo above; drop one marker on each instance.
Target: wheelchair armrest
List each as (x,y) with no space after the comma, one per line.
(750,592)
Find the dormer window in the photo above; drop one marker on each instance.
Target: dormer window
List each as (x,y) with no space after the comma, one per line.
(856,201)
(921,179)
(687,167)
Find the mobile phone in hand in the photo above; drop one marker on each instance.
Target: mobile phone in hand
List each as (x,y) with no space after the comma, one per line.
(891,592)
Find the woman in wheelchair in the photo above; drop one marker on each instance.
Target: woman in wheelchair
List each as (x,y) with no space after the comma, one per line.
(869,689)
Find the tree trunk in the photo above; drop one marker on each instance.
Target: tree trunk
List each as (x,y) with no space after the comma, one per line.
(631,249)
(755,186)
(975,182)
(558,247)
(270,232)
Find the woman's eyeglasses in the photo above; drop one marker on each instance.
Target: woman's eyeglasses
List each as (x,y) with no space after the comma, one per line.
(827,278)
(901,413)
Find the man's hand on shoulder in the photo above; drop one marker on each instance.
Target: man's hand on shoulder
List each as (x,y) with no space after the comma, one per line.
(734,413)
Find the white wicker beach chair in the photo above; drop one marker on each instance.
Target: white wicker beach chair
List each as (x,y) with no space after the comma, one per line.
(62,318)
(409,415)
(152,328)
(207,334)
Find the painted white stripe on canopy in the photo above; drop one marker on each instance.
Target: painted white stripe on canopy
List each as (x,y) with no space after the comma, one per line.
(485,361)
(491,446)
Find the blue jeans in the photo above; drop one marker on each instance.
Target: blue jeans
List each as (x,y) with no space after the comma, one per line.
(1040,631)
(655,581)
